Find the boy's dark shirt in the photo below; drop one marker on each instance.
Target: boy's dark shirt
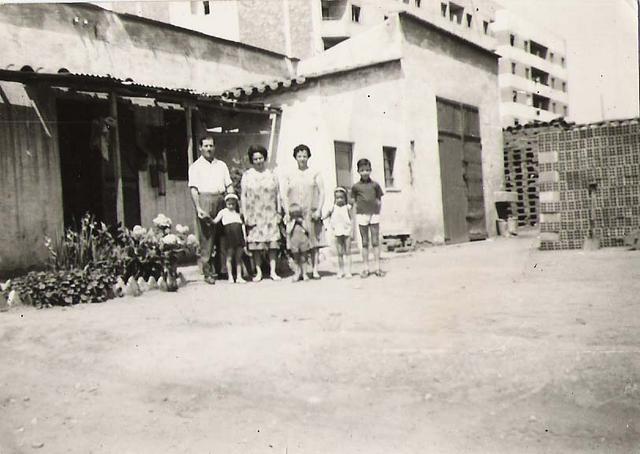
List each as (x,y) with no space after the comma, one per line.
(366,195)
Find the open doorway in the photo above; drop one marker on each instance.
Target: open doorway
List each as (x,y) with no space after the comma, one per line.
(85,171)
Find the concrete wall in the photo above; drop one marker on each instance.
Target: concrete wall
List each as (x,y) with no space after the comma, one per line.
(31,202)
(46,37)
(453,70)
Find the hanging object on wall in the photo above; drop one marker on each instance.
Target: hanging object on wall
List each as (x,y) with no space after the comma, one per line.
(162,173)
(155,148)
(100,137)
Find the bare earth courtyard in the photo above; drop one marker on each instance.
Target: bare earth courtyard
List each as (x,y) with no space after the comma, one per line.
(489,347)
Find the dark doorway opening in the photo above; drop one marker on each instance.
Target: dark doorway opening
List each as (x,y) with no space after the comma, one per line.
(86,174)
(130,156)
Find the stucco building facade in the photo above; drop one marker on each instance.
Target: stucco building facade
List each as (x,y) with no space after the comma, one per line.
(435,142)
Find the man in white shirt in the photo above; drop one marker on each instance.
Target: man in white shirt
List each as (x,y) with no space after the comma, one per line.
(209,180)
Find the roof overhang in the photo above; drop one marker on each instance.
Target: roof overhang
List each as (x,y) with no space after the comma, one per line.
(128,88)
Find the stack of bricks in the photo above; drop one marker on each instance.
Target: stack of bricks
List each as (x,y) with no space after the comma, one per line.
(521,167)
(589,184)
(521,172)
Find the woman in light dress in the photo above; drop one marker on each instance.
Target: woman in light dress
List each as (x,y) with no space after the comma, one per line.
(303,187)
(261,210)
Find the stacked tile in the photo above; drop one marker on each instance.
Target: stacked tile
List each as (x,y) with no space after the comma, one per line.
(589,184)
(521,172)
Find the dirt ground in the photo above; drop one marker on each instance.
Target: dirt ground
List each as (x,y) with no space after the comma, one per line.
(489,347)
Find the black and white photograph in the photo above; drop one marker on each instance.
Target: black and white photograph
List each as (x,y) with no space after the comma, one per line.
(320,227)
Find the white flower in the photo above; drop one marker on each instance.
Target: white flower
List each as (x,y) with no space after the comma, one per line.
(138,231)
(192,240)
(161,221)
(182,229)
(170,240)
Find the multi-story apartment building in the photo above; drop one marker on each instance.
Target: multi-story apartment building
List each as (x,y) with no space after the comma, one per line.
(304,28)
(533,71)
(467,19)
(533,74)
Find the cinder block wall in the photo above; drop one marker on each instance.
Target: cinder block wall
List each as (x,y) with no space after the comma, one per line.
(591,178)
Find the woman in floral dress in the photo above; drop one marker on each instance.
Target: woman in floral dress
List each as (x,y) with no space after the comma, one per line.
(261,210)
(304,187)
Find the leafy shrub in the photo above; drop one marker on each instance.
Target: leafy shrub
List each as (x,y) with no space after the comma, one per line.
(65,287)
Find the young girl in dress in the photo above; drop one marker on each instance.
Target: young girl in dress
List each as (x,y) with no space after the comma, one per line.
(340,222)
(234,235)
(298,241)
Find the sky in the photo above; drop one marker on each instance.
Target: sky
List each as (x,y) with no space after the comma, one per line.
(602,53)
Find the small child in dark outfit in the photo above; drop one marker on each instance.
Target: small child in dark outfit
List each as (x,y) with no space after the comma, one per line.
(298,241)
(234,234)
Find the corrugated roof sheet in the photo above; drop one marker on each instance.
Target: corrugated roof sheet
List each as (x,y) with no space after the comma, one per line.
(92,82)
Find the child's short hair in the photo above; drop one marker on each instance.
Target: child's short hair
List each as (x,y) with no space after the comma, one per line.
(364,162)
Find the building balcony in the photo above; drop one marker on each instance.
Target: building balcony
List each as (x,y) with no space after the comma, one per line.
(521,84)
(524,113)
(521,56)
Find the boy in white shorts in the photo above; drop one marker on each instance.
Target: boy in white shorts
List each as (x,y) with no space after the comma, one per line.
(367,197)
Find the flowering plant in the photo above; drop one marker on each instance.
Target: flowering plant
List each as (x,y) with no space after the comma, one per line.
(162,222)
(85,263)
(156,251)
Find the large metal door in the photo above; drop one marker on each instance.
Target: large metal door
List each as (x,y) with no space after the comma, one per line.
(461,172)
(454,197)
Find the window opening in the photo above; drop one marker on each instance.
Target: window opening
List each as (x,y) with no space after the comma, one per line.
(539,76)
(389,156)
(455,13)
(355,13)
(540,102)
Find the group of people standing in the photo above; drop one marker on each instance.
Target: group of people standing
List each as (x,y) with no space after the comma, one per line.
(251,223)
